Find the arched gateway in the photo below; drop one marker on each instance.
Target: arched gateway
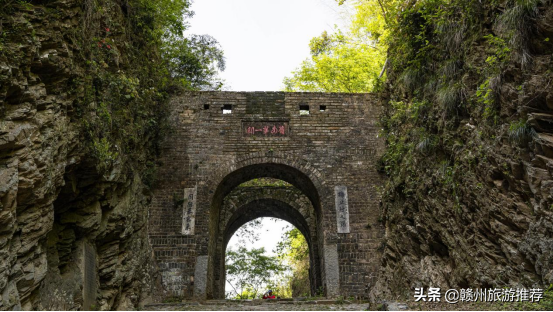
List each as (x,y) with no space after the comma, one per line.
(299,205)
(324,145)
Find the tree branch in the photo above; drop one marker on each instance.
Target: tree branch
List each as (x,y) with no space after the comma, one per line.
(383,68)
(235,291)
(383,11)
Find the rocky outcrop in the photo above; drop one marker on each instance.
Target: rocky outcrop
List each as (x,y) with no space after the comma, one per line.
(72,235)
(469,202)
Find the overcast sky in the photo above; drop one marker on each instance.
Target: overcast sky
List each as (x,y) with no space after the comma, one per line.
(263,40)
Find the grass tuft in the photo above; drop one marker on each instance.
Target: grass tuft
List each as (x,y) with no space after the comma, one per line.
(452,35)
(451,98)
(426,145)
(411,79)
(451,68)
(517,24)
(495,84)
(521,133)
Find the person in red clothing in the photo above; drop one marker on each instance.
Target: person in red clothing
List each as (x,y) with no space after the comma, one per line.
(269,295)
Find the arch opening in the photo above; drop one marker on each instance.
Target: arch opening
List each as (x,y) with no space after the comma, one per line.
(267,253)
(234,205)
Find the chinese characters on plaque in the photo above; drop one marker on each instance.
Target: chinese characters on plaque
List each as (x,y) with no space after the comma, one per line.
(189,210)
(342,209)
(265,129)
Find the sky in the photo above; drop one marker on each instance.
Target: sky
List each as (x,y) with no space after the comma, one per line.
(263,40)
(270,232)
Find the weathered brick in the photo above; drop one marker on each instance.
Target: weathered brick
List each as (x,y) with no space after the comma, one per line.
(215,152)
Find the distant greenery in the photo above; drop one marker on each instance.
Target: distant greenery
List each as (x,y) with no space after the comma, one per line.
(249,232)
(265,182)
(293,250)
(195,62)
(249,271)
(350,61)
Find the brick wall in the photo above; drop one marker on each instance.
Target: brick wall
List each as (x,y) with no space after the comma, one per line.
(265,134)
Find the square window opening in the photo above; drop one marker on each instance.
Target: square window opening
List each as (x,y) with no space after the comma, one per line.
(227,109)
(322,108)
(304,110)
(206,106)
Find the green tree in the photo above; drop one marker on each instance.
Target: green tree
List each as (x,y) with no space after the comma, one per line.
(195,62)
(249,232)
(293,249)
(160,19)
(352,61)
(248,270)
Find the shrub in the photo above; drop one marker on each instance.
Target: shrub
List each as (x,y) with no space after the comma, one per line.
(451,98)
(427,144)
(516,24)
(521,133)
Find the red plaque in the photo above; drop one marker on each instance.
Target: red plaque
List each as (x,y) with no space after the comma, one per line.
(265,129)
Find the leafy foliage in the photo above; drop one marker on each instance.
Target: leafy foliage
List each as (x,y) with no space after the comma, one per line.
(499,52)
(346,62)
(248,270)
(293,249)
(521,133)
(485,95)
(135,53)
(249,231)
(343,66)
(195,62)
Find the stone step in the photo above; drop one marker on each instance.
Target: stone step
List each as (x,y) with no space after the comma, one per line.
(396,306)
(286,301)
(265,305)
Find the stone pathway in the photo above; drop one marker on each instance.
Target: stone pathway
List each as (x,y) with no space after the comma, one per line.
(333,305)
(260,305)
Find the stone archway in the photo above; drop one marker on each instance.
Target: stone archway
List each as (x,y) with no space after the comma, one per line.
(262,205)
(329,155)
(245,204)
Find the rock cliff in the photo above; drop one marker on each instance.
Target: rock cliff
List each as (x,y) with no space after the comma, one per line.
(68,207)
(469,202)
